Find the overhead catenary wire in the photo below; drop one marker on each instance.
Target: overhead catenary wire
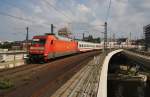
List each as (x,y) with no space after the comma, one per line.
(108,10)
(22,19)
(56,9)
(90,26)
(47,2)
(16,17)
(31,21)
(66,16)
(69,9)
(10,4)
(84,25)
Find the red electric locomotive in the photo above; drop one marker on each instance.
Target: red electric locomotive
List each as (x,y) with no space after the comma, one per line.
(49,46)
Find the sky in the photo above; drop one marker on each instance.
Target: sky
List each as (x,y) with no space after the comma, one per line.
(80,16)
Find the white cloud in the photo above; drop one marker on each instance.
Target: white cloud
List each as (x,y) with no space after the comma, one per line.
(146,3)
(126,16)
(37,9)
(83,9)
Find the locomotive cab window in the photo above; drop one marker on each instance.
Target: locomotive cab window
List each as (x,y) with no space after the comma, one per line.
(38,41)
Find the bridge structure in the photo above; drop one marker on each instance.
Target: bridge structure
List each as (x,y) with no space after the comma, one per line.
(91,81)
(138,57)
(102,91)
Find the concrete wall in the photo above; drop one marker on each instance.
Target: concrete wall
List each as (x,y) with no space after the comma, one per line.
(10,60)
(102,91)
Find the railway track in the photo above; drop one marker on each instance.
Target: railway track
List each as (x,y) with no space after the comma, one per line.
(84,83)
(16,69)
(25,68)
(22,68)
(45,77)
(141,52)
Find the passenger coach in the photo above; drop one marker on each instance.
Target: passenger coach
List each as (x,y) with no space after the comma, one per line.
(88,46)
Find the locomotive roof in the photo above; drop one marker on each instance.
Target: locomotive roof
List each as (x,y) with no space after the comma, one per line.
(40,36)
(57,36)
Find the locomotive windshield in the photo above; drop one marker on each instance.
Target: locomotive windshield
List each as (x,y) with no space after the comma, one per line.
(38,41)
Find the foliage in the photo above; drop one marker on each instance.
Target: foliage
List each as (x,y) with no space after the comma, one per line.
(6,45)
(91,39)
(5,84)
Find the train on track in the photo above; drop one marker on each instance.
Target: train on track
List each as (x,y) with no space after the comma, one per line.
(46,47)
